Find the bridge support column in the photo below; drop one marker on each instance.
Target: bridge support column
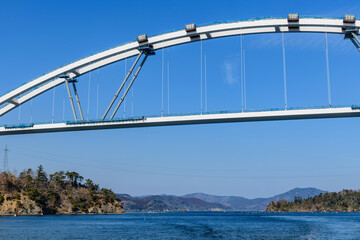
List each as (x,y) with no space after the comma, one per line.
(71,99)
(73,81)
(77,99)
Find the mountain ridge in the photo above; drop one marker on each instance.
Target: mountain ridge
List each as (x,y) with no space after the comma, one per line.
(237,203)
(167,203)
(208,202)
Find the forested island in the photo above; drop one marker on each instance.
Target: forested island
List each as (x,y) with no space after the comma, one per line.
(344,201)
(37,193)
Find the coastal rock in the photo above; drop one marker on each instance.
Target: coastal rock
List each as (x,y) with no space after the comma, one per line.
(62,193)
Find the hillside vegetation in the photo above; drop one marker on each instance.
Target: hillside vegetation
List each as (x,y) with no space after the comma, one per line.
(37,193)
(344,201)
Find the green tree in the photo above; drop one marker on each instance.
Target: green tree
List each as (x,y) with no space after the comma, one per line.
(41,175)
(108,195)
(58,177)
(39,198)
(90,185)
(74,178)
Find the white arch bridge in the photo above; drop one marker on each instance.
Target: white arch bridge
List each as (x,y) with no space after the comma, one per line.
(146,46)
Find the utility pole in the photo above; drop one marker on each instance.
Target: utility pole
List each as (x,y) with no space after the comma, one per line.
(6,164)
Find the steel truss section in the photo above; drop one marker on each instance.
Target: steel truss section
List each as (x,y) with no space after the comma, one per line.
(71,99)
(73,81)
(144,50)
(352,35)
(122,85)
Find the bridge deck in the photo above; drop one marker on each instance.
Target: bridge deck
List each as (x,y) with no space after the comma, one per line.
(338,112)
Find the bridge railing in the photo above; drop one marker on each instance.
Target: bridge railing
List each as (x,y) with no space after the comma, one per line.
(142,118)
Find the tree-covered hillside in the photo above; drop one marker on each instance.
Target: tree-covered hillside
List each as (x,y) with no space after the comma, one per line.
(36,193)
(344,201)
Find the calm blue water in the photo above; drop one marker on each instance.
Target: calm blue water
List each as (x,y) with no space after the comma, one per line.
(204,225)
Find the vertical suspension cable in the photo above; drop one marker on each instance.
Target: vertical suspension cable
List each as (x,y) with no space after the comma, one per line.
(201,65)
(19,115)
(132,101)
(97,94)
(63,112)
(31,105)
(205,77)
(162,82)
(244,81)
(328,69)
(88,106)
(168,75)
(125,75)
(284,69)
(242,74)
(53,106)
(124,108)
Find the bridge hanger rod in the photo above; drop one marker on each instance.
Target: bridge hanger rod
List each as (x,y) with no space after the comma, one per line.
(130,84)
(241,71)
(328,69)
(71,99)
(284,69)
(122,85)
(77,100)
(201,76)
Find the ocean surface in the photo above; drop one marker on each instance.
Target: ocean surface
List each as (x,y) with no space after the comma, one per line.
(189,225)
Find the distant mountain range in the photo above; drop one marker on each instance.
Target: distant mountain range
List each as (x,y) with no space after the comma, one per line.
(165,203)
(257,204)
(207,202)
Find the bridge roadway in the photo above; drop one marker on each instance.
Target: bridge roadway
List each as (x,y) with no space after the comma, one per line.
(337,112)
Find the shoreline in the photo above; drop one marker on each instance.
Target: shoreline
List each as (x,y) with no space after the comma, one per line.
(169,212)
(59,214)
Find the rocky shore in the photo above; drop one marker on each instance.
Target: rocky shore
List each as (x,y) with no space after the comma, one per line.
(25,206)
(34,193)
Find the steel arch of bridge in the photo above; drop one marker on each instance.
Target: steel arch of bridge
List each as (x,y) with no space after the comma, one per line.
(46,82)
(68,73)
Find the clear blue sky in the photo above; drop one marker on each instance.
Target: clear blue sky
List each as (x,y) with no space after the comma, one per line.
(246,159)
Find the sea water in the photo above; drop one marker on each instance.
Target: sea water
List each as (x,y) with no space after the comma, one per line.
(187,225)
